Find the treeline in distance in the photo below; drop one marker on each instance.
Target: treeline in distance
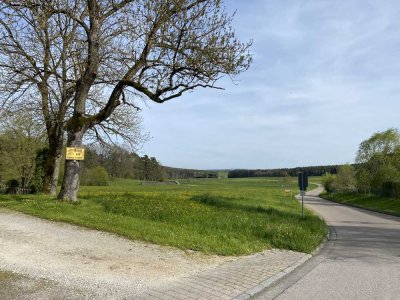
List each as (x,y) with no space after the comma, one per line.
(311,171)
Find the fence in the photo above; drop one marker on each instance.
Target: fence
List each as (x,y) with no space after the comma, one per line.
(15,191)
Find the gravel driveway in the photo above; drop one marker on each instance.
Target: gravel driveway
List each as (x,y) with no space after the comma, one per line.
(57,260)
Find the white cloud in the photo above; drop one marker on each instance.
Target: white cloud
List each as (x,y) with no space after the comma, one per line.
(325,77)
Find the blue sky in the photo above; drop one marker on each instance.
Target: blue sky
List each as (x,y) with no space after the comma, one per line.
(325,76)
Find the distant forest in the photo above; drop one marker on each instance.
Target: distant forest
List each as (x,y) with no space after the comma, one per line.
(311,171)
(120,163)
(178,173)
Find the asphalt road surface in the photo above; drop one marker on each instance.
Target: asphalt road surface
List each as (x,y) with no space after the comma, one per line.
(361,260)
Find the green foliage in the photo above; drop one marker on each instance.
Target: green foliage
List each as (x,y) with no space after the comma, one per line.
(12,183)
(391,189)
(18,157)
(329,181)
(373,202)
(20,138)
(96,176)
(121,163)
(379,162)
(363,178)
(40,162)
(149,168)
(346,179)
(222,216)
(384,142)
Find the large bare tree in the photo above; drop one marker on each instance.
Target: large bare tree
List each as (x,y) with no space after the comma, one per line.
(34,50)
(130,49)
(39,69)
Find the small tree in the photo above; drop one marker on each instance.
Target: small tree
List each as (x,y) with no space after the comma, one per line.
(383,142)
(20,138)
(40,165)
(364,179)
(378,160)
(329,182)
(345,179)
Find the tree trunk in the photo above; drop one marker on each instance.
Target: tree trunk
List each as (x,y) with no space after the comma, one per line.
(70,184)
(53,160)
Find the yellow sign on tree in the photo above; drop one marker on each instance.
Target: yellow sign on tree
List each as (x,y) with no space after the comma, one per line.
(74,153)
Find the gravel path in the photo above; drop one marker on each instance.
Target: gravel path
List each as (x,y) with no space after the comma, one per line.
(74,261)
(40,259)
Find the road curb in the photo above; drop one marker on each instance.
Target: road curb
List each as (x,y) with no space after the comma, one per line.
(268,282)
(331,235)
(278,276)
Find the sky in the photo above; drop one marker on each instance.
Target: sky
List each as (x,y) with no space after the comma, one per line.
(325,77)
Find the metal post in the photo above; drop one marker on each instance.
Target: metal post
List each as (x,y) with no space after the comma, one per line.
(302,195)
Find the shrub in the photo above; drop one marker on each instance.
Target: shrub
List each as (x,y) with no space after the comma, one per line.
(346,179)
(391,189)
(329,182)
(94,176)
(37,182)
(12,183)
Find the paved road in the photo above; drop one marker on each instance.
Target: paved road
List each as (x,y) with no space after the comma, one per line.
(360,261)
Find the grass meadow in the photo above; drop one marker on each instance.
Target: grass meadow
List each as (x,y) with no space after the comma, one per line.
(215,216)
(372,202)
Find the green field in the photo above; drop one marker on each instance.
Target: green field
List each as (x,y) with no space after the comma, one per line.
(373,202)
(221,216)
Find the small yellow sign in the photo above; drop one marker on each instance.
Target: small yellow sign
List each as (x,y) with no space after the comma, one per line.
(74,153)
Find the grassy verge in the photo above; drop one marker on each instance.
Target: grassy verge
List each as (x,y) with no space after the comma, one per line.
(375,203)
(221,216)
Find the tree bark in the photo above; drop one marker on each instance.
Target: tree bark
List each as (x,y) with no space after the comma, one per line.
(78,124)
(70,184)
(53,161)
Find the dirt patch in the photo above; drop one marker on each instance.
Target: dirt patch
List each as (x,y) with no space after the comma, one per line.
(17,286)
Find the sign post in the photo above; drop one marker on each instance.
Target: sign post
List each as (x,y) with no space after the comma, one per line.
(303,184)
(74,153)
